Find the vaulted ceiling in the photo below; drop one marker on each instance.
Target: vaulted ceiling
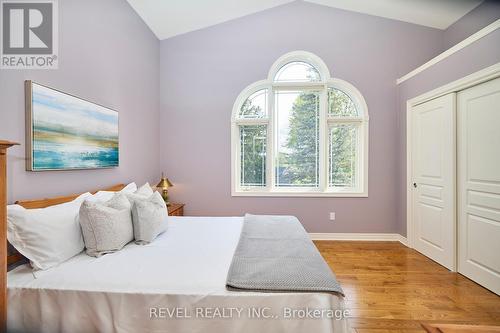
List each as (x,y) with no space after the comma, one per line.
(168,18)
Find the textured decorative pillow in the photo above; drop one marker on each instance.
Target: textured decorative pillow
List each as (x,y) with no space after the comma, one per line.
(46,236)
(106,227)
(143,192)
(149,218)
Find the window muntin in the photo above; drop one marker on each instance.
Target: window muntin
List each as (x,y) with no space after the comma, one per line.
(297,137)
(253,142)
(297,71)
(330,156)
(255,106)
(342,155)
(340,104)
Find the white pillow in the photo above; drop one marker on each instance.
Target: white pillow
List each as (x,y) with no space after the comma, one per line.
(81,198)
(46,236)
(144,192)
(149,217)
(130,188)
(106,227)
(102,196)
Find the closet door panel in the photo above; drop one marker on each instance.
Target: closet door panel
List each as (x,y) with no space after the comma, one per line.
(433,177)
(479,184)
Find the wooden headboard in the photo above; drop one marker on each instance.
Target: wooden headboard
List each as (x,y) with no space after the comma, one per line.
(47,202)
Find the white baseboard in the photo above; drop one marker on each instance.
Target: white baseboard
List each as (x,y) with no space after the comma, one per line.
(359,237)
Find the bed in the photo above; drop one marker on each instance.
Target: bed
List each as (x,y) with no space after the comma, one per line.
(175,284)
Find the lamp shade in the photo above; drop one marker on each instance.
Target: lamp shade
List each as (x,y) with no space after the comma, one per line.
(164,183)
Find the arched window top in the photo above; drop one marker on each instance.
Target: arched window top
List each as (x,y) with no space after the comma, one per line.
(297,71)
(300,132)
(340,104)
(299,66)
(345,101)
(255,106)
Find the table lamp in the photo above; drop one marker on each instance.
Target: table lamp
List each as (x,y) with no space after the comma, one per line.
(163,186)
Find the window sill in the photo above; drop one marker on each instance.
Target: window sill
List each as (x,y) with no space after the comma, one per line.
(300,194)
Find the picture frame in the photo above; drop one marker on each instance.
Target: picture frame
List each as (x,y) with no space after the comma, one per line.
(66,132)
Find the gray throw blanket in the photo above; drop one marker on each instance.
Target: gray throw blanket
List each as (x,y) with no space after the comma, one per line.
(275,253)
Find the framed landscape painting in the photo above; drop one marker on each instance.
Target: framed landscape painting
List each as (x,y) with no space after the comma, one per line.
(64,132)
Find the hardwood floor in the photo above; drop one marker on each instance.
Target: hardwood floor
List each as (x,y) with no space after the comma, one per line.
(392,288)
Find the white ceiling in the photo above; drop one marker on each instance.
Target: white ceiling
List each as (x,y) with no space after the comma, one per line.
(438,14)
(168,18)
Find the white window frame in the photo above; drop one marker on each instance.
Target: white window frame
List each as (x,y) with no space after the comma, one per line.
(361,190)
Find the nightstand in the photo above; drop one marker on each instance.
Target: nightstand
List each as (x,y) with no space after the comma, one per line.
(176,209)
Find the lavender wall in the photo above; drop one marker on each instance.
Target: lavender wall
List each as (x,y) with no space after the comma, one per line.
(484,14)
(202,73)
(109,56)
(479,55)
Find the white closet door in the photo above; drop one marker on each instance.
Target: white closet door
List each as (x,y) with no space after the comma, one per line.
(433,173)
(479,184)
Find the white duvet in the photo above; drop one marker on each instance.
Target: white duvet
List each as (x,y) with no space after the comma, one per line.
(174,284)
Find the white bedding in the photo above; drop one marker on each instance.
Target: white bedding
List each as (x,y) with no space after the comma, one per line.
(174,284)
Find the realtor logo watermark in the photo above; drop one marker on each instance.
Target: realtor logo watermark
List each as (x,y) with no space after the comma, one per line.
(29,34)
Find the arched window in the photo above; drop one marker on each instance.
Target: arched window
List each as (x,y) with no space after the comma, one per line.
(299,133)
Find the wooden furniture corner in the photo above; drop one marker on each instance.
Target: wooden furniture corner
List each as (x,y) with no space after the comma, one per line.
(4,145)
(176,209)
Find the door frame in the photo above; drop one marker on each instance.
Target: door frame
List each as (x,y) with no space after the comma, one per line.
(486,74)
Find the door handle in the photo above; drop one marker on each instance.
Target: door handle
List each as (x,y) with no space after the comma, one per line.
(415,185)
